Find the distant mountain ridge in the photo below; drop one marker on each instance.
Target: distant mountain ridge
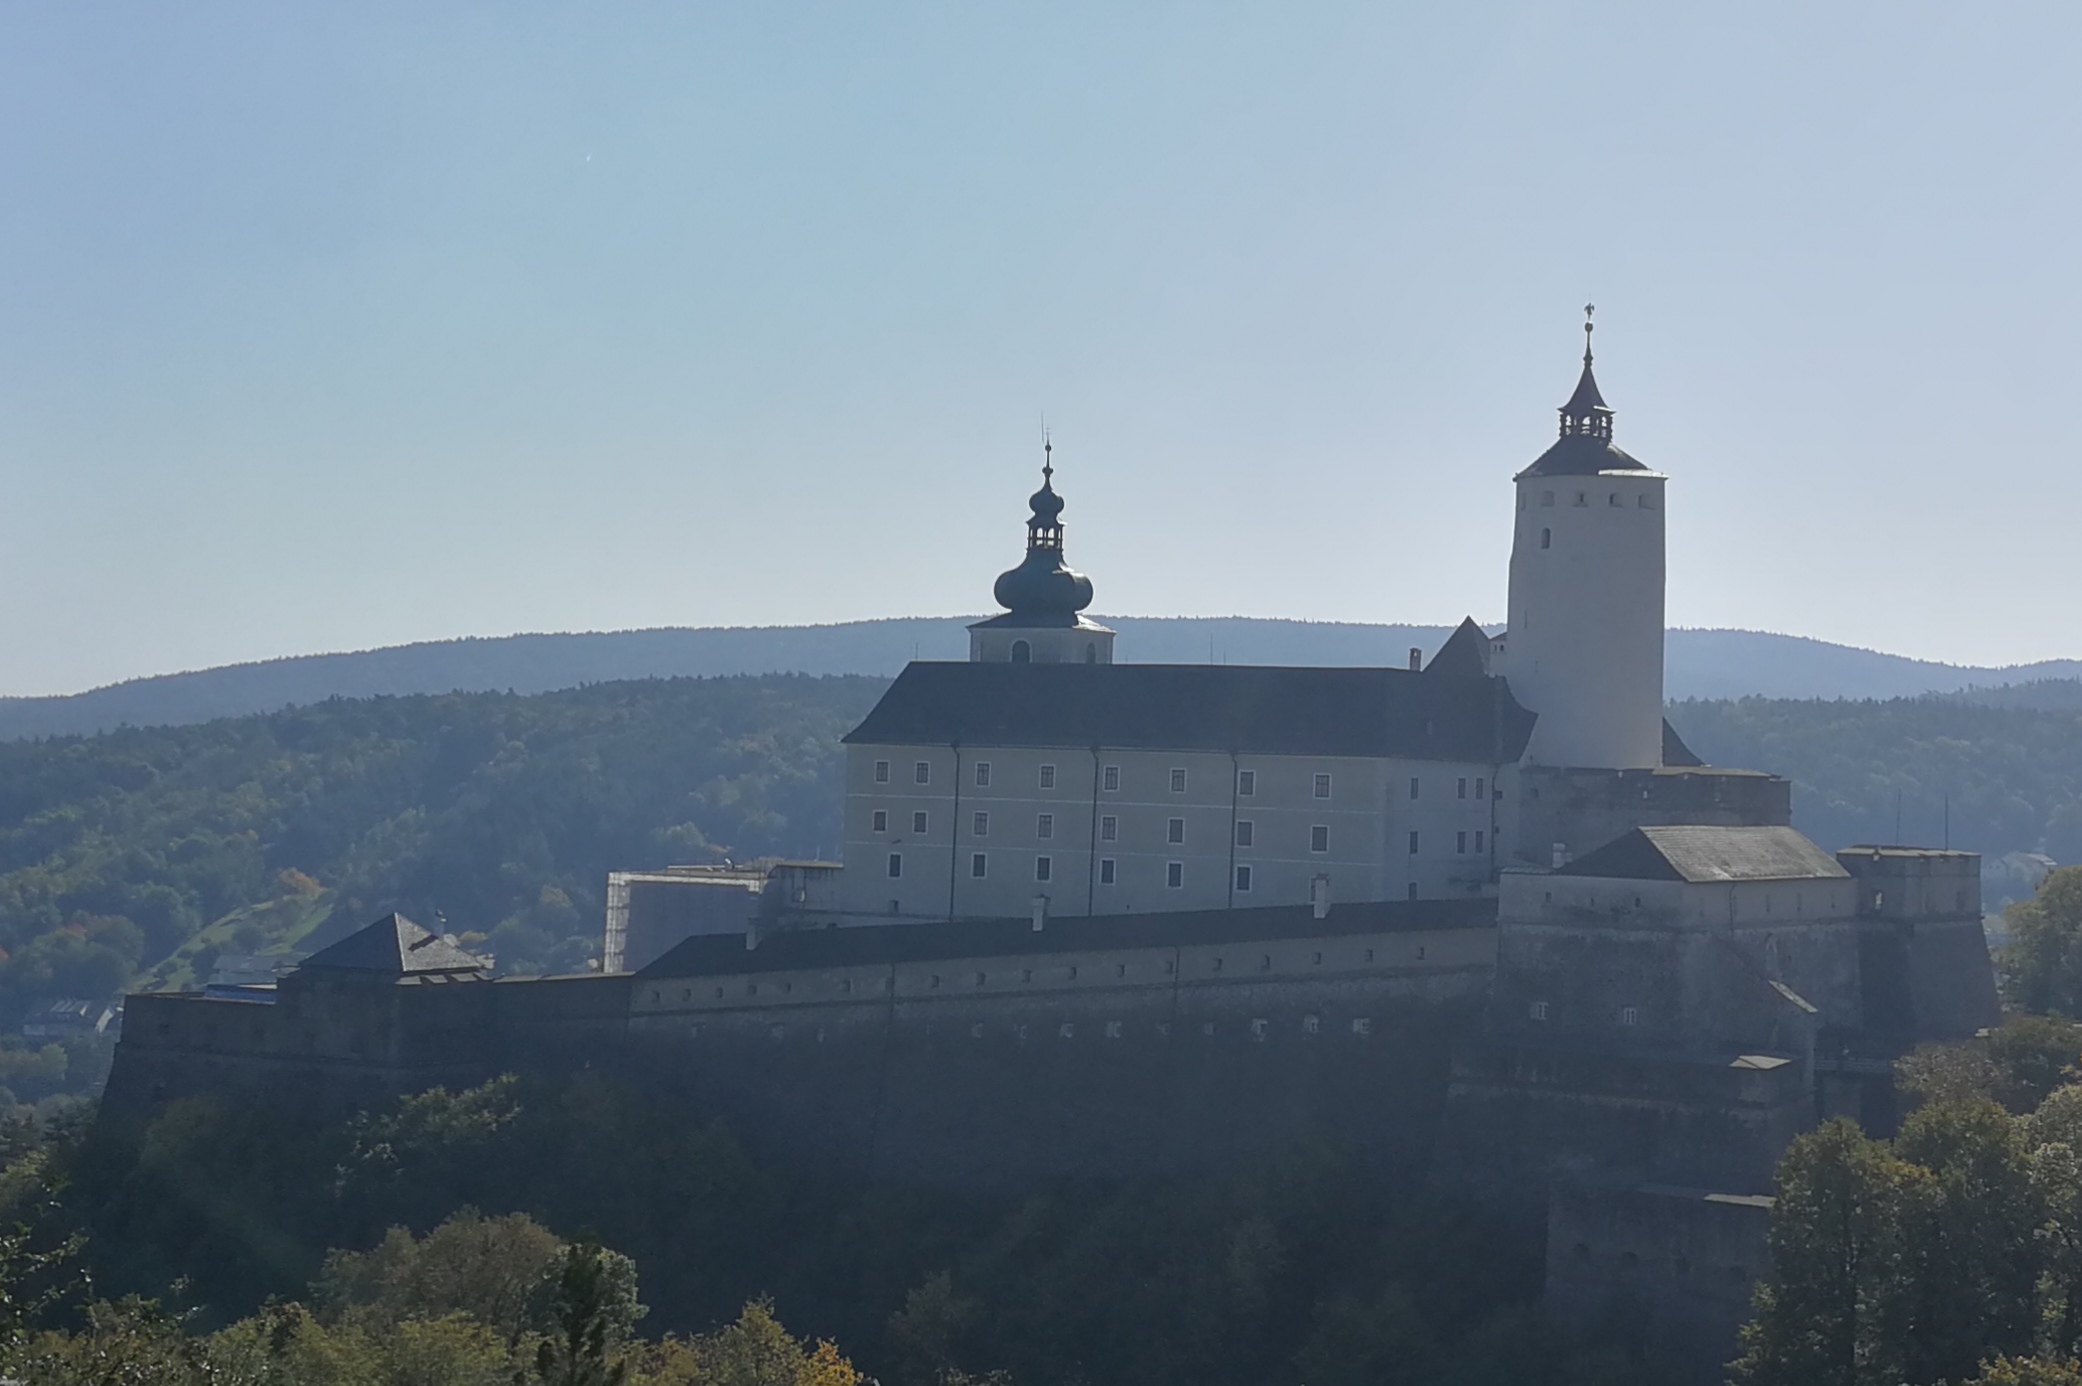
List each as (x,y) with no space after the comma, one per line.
(1699,663)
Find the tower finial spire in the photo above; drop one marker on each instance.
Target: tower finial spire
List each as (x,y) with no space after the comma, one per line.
(1588,309)
(1047,457)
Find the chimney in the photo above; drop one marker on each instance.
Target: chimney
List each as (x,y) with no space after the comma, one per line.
(1416,660)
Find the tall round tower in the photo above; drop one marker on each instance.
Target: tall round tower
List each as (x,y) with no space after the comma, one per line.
(1584,647)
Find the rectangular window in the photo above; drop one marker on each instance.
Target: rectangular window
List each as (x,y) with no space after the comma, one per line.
(1106,871)
(1044,826)
(881,820)
(918,821)
(1413,890)
(1109,829)
(1414,786)
(1322,786)
(1048,777)
(977,866)
(1175,830)
(983,774)
(881,772)
(1319,838)
(1246,831)
(1044,867)
(1460,843)
(896,865)
(1247,783)
(1461,790)
(1537,1011)
(979,826)
(922,772)
(1243,880)
(1478,787)
(1413,844)
(1111,779)
(1478,840)
(1175,874)
(1178,780)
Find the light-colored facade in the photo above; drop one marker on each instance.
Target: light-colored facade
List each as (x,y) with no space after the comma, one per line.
(954,833)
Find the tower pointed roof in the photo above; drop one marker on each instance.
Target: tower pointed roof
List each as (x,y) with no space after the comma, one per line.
(1585,446)
(396,946)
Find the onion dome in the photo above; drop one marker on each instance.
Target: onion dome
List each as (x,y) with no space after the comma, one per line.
(1585,446)
(1041,586)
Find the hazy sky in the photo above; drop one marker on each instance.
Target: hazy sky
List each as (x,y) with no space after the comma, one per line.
(330,326)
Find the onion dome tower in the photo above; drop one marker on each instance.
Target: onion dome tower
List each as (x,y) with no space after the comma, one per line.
(1043,598)
(1584,647)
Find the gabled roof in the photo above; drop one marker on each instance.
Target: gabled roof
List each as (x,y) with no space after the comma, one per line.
(1695,854)
(395,945)
(1250,709)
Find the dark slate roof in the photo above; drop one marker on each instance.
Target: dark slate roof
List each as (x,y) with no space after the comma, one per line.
(1581,454)
(394,944)
(1253,709)
(1694,853)
(1675,752)
(1464,655)
(725,954)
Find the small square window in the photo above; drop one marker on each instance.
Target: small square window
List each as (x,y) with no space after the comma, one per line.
(1044,868)
(922,772)
(1319,838)
(1629,1015)
(983,774)
(1322,786)
(1460,843)
(1111,779)
(1243,880)
(881,772)
(896,865)
(1537,1011)
(1178,780)
(1109,828)
(1547,498)
(1413,844)
(1044,826)
(1106,869)
(1247,783)
(918,821)
(1615,500)
(1582,498)
(881,820)
(1461,789)
(1175,830)
(1174,874)
(1246,830)
(980,825)
(1048,777)
(978,866)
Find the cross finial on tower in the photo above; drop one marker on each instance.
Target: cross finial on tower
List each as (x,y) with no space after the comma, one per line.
(1588,309)
(1047,457)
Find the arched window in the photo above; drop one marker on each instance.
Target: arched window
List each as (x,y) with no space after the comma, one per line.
(1022,653)
(1546,541)
(1091,653)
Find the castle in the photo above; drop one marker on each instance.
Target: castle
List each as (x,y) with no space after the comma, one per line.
(1485,919)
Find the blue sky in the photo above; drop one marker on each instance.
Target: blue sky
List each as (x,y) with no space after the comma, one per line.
(325,327)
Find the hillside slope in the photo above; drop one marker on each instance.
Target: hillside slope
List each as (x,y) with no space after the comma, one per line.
(1701,664)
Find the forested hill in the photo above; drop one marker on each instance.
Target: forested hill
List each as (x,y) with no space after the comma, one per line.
(1700,663)
(153,851)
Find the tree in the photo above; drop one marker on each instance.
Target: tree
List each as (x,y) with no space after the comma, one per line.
(502,1272)
(2029,1371)
(596,1309)
(2042,966)
(1845,1231)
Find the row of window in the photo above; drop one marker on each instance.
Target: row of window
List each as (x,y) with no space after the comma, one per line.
(1627,1015)
(1174,831)
(1110,779)
(1643,500)
(1109,871)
